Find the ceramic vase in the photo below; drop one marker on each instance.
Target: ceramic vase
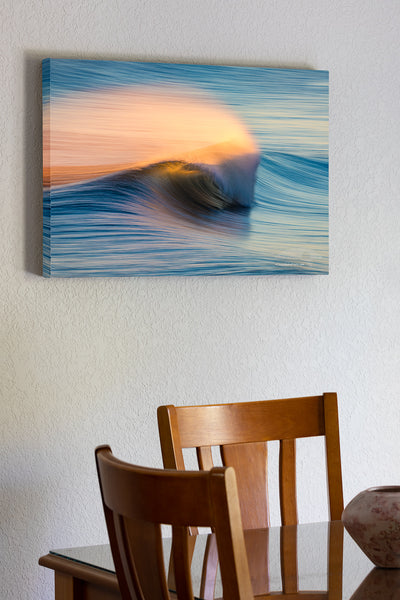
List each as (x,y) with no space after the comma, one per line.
(372,519)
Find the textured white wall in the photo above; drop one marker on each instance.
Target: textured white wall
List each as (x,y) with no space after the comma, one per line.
(88,361)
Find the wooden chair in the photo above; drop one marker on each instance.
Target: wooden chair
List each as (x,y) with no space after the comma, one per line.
(242,431)
(137,500)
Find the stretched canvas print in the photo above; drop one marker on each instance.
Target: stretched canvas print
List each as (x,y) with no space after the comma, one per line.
(174,169)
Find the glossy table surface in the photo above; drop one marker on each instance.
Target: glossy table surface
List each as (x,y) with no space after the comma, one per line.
(314,560)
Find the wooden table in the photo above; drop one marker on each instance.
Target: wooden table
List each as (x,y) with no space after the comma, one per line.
(309,562)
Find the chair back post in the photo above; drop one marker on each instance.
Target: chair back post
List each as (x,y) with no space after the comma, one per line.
(333,460)
(171,447)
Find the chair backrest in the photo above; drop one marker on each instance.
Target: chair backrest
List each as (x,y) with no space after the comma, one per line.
(137,500)
(242,431)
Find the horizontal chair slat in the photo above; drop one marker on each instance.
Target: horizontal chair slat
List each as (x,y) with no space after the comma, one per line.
(245,422)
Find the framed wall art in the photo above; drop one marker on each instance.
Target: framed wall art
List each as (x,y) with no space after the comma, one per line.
(181,169)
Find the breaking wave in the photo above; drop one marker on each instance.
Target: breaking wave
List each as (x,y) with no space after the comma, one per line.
(176,217)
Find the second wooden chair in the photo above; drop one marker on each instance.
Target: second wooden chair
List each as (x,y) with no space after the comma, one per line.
(242,431)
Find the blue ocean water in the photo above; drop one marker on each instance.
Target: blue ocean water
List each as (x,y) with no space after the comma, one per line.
(115,227)
(133,224)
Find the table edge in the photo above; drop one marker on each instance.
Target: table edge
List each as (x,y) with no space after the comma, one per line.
(80,571)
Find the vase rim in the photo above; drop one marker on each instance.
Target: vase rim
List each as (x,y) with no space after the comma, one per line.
(384,489)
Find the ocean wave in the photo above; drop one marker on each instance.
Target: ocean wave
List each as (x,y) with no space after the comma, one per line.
(158,195)
(199,188)
(178,217)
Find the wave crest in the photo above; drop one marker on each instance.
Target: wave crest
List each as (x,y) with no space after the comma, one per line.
(197,186)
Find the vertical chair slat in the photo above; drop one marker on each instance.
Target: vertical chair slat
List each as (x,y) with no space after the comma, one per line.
(204,458)
(250,464)
(143,558)
(287,481)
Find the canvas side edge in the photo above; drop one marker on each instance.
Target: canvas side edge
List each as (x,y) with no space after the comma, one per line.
(46,73)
